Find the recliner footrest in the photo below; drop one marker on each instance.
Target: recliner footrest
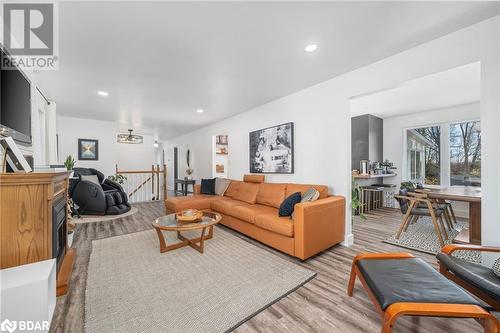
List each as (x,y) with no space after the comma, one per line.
(410,280)
(400,284)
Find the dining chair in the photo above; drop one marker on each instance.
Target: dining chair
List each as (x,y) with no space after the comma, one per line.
(415,205)
(449,214)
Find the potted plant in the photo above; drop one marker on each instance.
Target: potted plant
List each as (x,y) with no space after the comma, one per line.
(69,163)
(120,179)
(387,166)
(356,200)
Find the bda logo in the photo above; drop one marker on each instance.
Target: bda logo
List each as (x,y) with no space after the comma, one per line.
(9,326)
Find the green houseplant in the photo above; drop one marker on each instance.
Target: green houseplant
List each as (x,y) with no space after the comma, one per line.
(69,163)
(356,200)
(120,179)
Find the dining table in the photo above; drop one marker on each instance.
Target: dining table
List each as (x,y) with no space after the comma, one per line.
(472,195)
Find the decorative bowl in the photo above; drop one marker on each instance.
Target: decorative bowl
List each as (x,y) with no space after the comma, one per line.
(189,215)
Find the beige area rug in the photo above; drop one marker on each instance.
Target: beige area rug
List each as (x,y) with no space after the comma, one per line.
(132,287)
(101,218)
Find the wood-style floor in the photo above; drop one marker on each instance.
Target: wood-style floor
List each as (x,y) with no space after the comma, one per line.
(322,305)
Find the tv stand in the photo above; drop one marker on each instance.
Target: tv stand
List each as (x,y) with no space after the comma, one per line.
(33,222)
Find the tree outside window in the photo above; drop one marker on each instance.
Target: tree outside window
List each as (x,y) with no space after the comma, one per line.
(465,154)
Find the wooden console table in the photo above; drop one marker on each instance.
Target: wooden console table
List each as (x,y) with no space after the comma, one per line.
(33,221)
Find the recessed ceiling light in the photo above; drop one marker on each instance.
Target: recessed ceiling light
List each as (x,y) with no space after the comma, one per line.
(200,110)
(311,48)
(102,93)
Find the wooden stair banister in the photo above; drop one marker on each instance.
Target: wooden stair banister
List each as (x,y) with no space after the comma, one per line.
(136,190)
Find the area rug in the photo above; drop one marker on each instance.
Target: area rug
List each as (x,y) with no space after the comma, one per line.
(101,218)
(132,287)
(420,236)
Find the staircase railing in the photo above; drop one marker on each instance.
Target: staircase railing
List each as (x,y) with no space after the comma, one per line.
(145,185)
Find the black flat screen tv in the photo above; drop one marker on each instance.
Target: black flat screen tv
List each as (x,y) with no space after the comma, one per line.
(15,103)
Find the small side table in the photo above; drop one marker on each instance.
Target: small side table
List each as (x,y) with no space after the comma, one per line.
(184,185)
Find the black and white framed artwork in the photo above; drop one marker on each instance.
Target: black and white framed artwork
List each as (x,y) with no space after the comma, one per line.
(271,149)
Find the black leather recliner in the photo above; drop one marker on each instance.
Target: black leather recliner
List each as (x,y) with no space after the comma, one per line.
(108,198)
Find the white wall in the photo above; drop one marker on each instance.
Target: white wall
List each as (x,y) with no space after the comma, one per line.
(394,142)
(127,156)
(322,117)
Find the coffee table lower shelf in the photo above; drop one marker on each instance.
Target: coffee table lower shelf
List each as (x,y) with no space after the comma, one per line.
(196,243)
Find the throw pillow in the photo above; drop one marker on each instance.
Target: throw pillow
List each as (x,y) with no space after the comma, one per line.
(288,205)
(92,178)
(311,194)
(496,267)
(208,186)
(221,185)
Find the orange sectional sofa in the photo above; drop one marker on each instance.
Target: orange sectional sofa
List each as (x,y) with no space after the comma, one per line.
(251,207)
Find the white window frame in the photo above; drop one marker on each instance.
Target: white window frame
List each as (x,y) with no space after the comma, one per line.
(445,156)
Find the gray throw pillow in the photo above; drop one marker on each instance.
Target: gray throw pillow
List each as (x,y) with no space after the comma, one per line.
(311,194)
(496,267)
(221,185)
(92,178)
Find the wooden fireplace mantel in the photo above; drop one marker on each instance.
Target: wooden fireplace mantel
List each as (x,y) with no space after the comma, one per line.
(27,201)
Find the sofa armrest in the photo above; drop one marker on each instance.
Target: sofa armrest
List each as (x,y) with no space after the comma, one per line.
(196,189)
(318,225)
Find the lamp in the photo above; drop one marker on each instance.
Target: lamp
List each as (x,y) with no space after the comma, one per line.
(129,138)
(156,144)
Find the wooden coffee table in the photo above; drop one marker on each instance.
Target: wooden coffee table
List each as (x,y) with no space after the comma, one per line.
(170,223)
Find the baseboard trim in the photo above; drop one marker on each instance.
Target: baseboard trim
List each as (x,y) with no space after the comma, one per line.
(349,240)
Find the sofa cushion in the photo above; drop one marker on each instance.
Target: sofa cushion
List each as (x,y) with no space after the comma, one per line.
(200,202)
(247,192)
(248,213)
(271,194)
(208,186)
(221,185)
(302,188)
(274,223)
(254,178)
(232,188)
(288,205)
(410,280)
(226,205)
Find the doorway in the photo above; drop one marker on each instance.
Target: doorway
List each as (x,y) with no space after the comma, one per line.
(421,135)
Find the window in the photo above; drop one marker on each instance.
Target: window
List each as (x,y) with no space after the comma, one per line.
(445,154)
(465,154)
(424,154)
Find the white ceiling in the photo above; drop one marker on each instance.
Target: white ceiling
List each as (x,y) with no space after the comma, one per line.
(160,61)
(457,86)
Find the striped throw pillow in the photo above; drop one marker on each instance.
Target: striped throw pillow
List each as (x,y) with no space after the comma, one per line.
(311,194)
(496,267)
